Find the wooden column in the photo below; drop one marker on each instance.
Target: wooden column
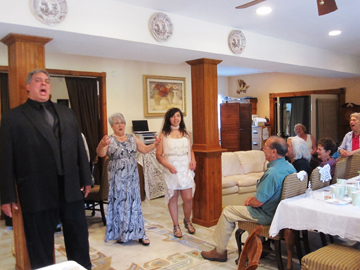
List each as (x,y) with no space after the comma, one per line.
(208,196)
(25,54)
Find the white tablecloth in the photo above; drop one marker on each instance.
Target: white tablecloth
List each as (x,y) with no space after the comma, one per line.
(69,265)
(302,213)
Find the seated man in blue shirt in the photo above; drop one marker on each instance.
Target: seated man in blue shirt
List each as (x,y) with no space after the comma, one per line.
(259,208)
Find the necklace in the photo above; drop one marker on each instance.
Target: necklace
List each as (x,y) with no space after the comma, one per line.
(120,137)
(175,127)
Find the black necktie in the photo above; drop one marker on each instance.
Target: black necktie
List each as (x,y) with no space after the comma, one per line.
(47,115)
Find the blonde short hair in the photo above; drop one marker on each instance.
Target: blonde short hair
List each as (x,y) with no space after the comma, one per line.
(356,115)
(300,125)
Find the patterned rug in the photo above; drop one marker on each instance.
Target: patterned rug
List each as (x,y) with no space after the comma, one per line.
(188,247)
(99,260)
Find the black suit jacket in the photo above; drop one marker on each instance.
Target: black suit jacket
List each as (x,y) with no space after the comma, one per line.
(28,148)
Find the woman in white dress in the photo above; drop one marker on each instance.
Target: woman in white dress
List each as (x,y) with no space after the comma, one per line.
(300,131)
(178,159)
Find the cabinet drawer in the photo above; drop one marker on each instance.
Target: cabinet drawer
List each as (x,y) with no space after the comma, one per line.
(256,132)
(256,145)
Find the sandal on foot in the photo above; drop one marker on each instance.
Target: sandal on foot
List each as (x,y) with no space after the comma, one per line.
(189,227)
(177,231)
(145,241)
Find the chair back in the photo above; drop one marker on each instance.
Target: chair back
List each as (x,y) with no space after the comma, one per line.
(340,170)
(252,250)
(347,167)
(315,180)
(104,184)
(293,186)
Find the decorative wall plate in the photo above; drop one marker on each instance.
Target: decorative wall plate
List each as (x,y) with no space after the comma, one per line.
(237,41)
(50,11)
(161,27)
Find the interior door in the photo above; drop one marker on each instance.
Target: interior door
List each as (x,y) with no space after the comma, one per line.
(327,119)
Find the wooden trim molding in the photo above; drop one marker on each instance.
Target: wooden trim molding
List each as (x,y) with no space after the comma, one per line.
(101,76)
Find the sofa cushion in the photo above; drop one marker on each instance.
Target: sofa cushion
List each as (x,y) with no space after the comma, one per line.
(249,179)
(230,181)
(230,164)
(241,180)
(247,189)
(230,190)
(251,161)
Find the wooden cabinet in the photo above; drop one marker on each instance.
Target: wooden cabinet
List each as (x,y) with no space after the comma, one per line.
(253,102)
(236,126)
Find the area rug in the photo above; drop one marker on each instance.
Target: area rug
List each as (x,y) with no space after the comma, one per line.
(188,256)
(99,260)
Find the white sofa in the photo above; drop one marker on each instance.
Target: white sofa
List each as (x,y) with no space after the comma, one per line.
(240,172)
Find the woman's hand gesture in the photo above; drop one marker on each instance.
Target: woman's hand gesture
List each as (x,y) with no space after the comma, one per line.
(105,141)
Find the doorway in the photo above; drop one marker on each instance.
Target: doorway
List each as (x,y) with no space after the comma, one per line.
(335,108)
(294,110)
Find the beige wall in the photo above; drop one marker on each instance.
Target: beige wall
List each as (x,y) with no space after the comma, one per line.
(124,84)
(125,90)
(263,84)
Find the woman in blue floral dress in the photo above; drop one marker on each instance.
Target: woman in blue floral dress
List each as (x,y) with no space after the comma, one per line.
(124,218)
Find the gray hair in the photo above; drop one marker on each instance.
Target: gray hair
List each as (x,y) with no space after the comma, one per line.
(35,71)
(300,148)
(356,115)
(115,116)
(300,125)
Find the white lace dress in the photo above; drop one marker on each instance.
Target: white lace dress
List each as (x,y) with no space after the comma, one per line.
(178,156)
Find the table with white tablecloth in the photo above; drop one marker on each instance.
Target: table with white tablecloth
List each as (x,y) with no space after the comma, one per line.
(153,180)
(68,265)
(302,213)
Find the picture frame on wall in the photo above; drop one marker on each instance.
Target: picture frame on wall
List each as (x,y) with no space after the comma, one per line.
(162,93)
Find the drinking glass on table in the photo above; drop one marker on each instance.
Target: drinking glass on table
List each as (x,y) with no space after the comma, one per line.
(341,181)
(335,192)
(350,188)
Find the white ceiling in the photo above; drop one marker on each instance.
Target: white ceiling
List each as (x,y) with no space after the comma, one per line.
(291,20)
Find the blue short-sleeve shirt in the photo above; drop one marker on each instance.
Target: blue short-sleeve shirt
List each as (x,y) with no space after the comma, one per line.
(268,190)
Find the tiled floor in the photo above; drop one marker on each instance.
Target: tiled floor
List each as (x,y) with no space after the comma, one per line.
(164,248)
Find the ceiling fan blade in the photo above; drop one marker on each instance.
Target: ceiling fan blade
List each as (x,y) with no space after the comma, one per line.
(326,6)
(252,3)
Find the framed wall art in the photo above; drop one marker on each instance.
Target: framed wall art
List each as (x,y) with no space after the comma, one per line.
(162,93)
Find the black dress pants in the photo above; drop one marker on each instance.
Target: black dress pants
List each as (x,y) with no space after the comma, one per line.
(40,228)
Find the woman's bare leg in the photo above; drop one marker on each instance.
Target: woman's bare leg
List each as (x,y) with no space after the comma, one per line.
(173,207)
(186,196)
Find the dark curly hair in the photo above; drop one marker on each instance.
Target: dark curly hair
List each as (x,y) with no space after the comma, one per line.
(167,124)
(328,144)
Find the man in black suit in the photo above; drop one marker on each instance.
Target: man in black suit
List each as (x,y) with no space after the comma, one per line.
(42,155)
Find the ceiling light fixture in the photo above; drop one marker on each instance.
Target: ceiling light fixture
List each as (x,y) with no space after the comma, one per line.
(263,10)
(321,2)
(334,33)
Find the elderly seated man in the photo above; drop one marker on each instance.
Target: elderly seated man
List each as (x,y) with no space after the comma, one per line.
(259,208)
